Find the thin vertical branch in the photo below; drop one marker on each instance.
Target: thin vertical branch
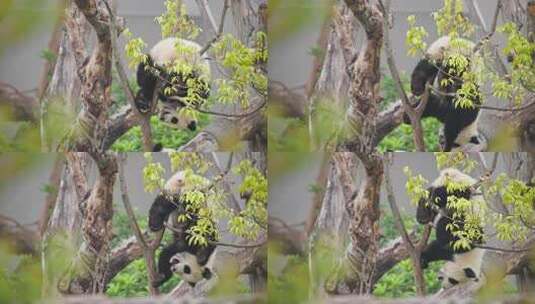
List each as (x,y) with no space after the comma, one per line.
(414,114)
(415,252)
(148,249)
(143,119)
(219,30)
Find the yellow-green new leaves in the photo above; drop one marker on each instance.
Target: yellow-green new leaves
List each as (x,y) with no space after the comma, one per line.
(415,37)
(522,75)
(450,19)
(207,200)
(176,22)
(242,63)
(416,186)
(135,49)
(253,189)
(152,174)
(519,199)
(459,160)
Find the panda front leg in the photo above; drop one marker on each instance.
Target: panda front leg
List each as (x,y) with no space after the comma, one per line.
(147,84)
(435,251)
(451,131)
(164,264)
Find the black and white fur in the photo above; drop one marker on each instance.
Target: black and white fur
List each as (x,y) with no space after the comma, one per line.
(435,210)
(460,124)
(178,252)
(188,268)
(465,267)
(156,69)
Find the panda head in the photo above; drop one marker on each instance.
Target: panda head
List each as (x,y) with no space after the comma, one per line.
(188,267)
(427,208)
(172,116)
(175,183)
(453,273)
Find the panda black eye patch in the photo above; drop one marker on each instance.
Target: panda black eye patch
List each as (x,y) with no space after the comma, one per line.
(187,269)
(469,273)
(453,281)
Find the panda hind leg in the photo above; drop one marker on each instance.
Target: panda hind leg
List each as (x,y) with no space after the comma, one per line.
(435,251)
(147,84)
(159,212)
(451,131)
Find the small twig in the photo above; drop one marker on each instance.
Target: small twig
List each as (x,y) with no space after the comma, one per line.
(219,30)
(487,37)
(502,249)
(262,105)
(414,252)
(238,245)
(413,114)
(203,4)
(148,251)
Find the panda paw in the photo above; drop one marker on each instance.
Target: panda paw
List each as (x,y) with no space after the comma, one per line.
(423,262)
(159,280)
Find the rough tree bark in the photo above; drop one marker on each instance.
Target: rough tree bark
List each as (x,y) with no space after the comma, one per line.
(91,209)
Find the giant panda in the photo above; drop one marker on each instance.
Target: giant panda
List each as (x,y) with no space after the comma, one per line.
(465,267)
(198,258)
(159,67)
(460,124)
(434,210)
(186,265)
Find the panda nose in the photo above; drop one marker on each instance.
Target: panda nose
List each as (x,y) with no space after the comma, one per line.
(192,126)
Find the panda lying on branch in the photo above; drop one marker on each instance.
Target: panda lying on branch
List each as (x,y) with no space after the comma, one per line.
(460,124)
(462,264)
(192,263)
(176,67)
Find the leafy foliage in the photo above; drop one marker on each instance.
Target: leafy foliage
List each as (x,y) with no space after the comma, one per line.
(207,198)
(467,63)
(512,221)
(240,62)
